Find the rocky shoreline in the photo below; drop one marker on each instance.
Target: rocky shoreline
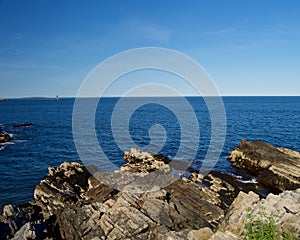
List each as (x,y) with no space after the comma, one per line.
(71,203)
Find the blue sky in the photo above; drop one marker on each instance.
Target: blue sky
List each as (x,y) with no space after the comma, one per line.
(48,47)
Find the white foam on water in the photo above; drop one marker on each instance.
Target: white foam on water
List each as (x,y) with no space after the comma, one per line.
(7,143)
(20,141)
(252,180)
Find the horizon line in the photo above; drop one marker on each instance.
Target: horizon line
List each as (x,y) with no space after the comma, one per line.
(149,96)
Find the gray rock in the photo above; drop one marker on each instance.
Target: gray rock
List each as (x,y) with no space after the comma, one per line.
(26,232)
(283,208)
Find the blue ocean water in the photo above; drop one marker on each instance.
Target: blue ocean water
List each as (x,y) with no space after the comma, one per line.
(49,141)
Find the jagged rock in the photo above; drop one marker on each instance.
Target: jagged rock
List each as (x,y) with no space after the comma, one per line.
(197,204)
(81,222)
(8,211)
(128,181)
(151,215)
(63,186)
(23,222)
(277,168)
(224,186)
(70,203)
(145,162)
(233,220)
(283,208)
(26,232)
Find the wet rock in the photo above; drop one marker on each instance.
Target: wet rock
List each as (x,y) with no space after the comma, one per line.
(23,125)
(277,168)
(224,186)
(4,137)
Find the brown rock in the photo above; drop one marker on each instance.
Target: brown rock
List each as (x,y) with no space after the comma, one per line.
(201,234)
(63,186)
(4,137)
(145,162)
(279,169)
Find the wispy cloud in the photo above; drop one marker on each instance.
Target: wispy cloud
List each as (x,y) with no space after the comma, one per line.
(221,31)
(140,29)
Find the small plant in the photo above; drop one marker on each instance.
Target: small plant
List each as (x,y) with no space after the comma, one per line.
(260,226)
(286,235)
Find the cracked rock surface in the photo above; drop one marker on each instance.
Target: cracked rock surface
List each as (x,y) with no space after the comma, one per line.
(71,203)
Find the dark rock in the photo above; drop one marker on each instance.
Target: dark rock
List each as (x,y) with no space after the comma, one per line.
(23,125)
(226,186)
(195,206)
(4,137)
(277,168)
(23,222)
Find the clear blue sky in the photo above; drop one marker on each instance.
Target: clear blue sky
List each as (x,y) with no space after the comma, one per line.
(47,47)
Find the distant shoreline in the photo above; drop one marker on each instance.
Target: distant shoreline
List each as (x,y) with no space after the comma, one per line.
(53,98)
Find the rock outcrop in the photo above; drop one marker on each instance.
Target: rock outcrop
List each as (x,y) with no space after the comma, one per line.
(63,186)
(277,168)
(71,203)
(4,137)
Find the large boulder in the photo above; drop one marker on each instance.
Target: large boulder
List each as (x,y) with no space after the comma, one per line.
(277,168)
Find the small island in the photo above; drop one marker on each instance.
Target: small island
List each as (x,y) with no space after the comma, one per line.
(71,203)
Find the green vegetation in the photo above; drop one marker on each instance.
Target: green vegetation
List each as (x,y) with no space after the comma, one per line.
(262,227)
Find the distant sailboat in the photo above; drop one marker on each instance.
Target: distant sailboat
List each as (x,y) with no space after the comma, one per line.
(56,98)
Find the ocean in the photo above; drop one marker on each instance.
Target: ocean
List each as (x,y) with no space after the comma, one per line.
(49,141)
